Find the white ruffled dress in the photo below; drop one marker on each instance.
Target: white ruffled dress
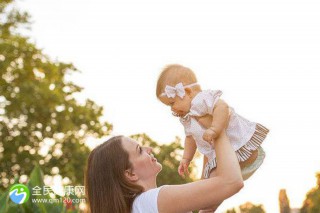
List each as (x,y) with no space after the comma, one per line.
(245,136)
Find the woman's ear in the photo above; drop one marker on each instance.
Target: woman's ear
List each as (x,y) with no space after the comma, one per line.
(131,176)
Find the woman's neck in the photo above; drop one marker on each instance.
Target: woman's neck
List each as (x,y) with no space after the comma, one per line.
(147,185)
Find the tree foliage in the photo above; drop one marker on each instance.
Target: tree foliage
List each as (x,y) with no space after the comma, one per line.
(248,207)
(284,203)
(251,208)
(231,211)
(312,201)
(60,205)
(40,119)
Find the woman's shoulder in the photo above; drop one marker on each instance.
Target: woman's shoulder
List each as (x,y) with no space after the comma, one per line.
(146,200)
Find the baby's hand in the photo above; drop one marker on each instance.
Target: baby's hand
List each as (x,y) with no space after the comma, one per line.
(183,167)
(209,135)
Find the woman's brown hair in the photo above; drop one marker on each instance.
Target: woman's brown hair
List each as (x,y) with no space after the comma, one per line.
(107,188)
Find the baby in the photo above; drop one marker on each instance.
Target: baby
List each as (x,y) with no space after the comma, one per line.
(204,115)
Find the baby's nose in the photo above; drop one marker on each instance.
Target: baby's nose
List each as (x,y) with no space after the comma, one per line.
(173,109)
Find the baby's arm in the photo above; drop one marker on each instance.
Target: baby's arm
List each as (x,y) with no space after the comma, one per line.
(190,148)
(220,118)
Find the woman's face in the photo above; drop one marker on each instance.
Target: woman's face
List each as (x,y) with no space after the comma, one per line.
(144,165)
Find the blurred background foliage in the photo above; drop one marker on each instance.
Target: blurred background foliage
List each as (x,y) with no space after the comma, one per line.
(40,119)
(43,127)
(36,180)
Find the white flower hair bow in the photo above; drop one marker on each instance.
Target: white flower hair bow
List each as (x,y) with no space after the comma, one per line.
(178,90)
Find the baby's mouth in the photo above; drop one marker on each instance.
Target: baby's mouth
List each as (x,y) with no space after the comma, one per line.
(179,114)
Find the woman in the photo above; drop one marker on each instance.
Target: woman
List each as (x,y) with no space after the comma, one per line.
(121,178)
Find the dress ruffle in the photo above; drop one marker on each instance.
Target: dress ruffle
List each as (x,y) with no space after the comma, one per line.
(245,151)
(253,144)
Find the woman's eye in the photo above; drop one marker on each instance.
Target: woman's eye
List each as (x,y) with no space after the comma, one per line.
(140,150)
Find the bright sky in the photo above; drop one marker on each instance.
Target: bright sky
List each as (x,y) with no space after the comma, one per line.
(264,56)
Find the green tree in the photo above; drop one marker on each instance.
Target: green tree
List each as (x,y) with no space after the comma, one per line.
(248,207)
(312,202)
(36,180)
(284,202)
(251,208)
(231,211)
(168,155)
(40,119)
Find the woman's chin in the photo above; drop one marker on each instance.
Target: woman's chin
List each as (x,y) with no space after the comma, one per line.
(159,167)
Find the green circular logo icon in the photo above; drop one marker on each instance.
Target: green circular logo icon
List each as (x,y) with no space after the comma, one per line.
(19,193)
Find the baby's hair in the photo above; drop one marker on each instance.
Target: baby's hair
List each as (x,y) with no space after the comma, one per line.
(173,74)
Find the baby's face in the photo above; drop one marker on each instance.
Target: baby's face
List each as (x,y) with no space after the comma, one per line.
(179,106)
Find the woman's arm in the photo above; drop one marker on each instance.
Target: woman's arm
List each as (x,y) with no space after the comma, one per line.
(209,192)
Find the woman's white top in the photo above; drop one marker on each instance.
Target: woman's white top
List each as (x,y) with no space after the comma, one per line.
(240,130)
(147,202)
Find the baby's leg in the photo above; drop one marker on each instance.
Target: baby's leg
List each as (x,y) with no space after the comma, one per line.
(214,207)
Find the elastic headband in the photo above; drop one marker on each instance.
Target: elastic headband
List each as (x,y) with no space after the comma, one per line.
(178,90)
